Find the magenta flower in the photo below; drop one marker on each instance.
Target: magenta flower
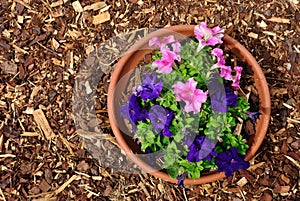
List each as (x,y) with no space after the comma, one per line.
(168,57)
(165,63)
(237,78)
(207,36)
(219,54)
(225,71)
(192,97)
(154,41)
(169,40)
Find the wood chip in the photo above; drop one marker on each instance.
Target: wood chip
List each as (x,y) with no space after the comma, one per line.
(278,91)
(262,24)
(2,195)
(285,179)
(101,18)
(57,3)
(46,199)
(42,122)
(279,20)
(7,156)
(242,182)
(269,33)
(62,187)
(20,19)
(55,44)
(284,189)
(288,106)
(296,163)
(253,35)
(9,67)
(253,167)
(23,3)
(142,186)
(97,178)
(30,134)
(18,49)
(67,144)
(1,142)
(77,6)
(95,6)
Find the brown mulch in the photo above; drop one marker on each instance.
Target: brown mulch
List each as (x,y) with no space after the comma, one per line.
(42,46)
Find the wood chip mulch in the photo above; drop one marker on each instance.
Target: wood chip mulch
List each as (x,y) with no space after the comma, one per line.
(42,46)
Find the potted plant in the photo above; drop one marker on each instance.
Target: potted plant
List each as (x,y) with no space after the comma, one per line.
(188,107)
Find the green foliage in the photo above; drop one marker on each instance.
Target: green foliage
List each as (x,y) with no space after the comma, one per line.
(232,140)
(239,110)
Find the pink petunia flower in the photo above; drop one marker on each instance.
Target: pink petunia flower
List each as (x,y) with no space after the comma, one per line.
(237,78)
(192,97)
(154,42)
(168,57)
(219,54)
(225,71)
(164,65)
(168,40)
(207,36)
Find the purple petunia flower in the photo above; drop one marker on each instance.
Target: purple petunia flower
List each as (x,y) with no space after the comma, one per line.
(207,36)
(150,88)
(202,148)
(231,97)
(133,110)
(181,179)
(217,93)
(188,137)
(231,161)
(253,115)
(220,98)
(161,119)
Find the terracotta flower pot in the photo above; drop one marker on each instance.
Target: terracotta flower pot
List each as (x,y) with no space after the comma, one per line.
(136,54)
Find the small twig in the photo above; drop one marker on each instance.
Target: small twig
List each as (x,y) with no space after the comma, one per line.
(67,144)
(101,111)
(62,187)
(1,142)
(48,49)
(23,3)
(2,195)
(184,194)
(296,163)
(7,156)
(18,48)
(293,120)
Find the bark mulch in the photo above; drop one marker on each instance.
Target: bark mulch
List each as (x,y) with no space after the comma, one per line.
(43,154)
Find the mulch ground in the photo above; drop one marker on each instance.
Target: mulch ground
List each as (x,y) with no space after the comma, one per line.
(42,46)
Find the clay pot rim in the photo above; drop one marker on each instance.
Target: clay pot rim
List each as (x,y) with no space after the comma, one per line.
(259,82)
